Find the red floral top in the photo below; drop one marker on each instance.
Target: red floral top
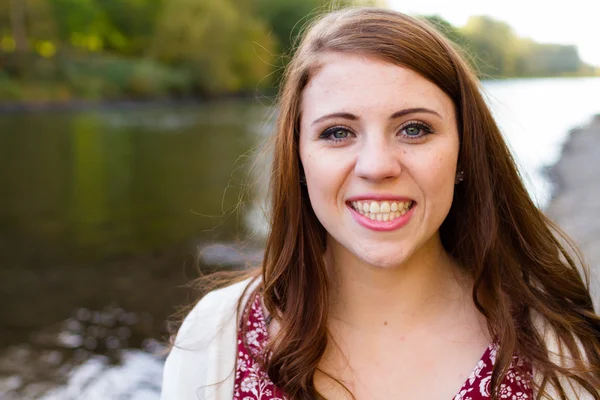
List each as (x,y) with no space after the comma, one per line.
(251,383)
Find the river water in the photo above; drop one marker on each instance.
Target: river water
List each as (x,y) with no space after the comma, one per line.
(105,214)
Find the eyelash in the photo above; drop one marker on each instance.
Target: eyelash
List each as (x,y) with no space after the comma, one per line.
(426,128)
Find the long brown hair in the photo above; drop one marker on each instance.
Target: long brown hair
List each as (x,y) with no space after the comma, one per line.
(514,253)
(524,268)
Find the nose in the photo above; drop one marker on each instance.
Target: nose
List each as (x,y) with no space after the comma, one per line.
(378,160)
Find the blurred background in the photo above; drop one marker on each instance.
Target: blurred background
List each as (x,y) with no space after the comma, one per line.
(129,162)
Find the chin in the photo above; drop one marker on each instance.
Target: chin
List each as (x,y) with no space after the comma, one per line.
(378,254)
(393,258)
(384,263)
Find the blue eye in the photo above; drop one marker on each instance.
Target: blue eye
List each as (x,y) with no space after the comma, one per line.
(412,130)
(336,134)
(415,130)
(340,134)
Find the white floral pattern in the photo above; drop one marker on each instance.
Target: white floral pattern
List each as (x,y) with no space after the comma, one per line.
(515,385)
(251,383)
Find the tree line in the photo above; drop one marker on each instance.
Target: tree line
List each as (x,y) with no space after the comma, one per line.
(496,51)
(111,49)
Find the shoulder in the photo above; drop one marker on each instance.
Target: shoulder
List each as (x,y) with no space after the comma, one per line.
(560,355)
(216,310)
(202,359)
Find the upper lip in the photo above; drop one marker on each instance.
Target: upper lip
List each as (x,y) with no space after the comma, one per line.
(378,197)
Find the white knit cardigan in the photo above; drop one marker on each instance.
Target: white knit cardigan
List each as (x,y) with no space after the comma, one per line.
(201,365)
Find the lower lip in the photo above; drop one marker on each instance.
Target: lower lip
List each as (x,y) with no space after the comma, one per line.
(383,226)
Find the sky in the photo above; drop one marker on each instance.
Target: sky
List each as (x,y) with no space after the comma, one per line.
(574,22)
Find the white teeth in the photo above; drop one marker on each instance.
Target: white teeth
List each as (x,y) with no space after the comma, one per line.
(382,211)
(374,208)
(385,207)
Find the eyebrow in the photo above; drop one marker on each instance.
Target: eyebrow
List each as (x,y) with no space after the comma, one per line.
(395,115)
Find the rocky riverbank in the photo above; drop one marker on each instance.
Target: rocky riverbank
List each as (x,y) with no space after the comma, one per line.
(576,206)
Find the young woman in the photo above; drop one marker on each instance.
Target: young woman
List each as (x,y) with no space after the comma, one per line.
(405,258)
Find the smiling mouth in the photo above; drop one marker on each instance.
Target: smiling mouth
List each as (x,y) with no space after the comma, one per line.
(382,210)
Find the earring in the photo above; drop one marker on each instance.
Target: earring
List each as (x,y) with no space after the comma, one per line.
(460,176)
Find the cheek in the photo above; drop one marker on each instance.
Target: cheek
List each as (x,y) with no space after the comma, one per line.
(325,176)
(324,171)
(316,182)
(435,174)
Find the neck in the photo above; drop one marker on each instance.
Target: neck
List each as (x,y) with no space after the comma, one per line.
(405,296)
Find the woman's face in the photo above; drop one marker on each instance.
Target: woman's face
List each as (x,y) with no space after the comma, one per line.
(379,147)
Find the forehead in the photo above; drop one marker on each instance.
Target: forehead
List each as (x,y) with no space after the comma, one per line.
(363,84)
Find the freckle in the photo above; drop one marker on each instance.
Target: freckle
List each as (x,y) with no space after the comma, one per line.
(385,322)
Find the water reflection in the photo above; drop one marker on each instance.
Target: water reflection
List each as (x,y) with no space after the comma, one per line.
(101,215)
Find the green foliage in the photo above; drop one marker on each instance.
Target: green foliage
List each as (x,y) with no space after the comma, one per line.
(123,26)
(286,19)
(445,27)
(103,49)
(496,51)
(223,48)
(9,89)
(495,45)
(100,77)
(133,24)
(557,59)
